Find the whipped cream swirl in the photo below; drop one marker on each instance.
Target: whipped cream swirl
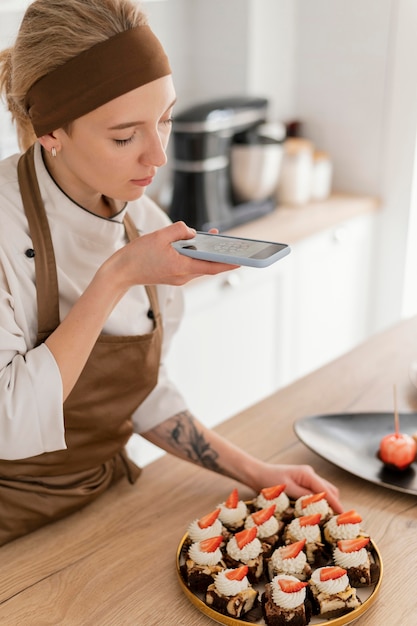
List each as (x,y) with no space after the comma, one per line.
(282,502)
(196,533)
(232,516)
(284,599)
(342,531)
(227,587)
(267,529)
(351,559)
(293,565)
(250,551)
(311,532)
(329,587)
(204,558)
(321,507)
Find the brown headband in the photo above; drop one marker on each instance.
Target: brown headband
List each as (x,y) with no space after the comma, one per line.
(106,71)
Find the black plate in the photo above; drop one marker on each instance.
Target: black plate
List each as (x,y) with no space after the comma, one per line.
(351,441)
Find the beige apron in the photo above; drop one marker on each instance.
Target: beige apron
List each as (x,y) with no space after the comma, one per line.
(118,376)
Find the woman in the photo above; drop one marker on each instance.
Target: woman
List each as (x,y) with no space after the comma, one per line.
(83,327)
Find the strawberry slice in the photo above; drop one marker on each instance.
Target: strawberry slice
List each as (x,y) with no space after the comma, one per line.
(263,515)
(238,573)
(331,573)
(352,545)
(316,497)
(211,545)
(291,586)
(309,520)
(209,519)
(246,536)
(349,517)
(232,500)
(270,493)
(293,549)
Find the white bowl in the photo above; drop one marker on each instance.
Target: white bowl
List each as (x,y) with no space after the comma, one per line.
(255,170)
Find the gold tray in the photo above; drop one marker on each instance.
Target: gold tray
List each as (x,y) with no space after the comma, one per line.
(367,595)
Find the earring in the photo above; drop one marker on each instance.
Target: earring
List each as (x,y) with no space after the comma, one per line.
(53,152)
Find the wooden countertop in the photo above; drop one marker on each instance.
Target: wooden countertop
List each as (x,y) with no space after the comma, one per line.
(291,224)
(113,564)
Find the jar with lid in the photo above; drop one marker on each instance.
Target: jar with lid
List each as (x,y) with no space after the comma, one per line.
(321,182)
(294,187)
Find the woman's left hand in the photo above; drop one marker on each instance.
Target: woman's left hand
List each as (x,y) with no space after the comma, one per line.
(299,480)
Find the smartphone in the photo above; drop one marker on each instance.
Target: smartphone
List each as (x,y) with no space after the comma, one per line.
(233,250)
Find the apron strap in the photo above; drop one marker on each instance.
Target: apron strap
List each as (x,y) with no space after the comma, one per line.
(132,233)
(45,267)
(131,230)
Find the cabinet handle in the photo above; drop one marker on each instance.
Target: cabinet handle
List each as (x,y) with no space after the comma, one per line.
(233,280)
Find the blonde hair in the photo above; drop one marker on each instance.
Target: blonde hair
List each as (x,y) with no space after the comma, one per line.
(51,33)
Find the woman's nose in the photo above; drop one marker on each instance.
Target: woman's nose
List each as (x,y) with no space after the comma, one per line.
(155,152)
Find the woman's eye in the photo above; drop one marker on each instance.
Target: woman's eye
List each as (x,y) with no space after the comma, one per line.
(123,142)
(167,122)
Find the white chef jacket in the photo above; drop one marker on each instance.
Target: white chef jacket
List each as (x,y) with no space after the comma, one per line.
(31,402)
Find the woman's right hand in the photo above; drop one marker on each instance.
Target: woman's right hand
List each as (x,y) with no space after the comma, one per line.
(151,260)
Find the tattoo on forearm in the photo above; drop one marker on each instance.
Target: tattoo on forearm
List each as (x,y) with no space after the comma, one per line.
(184,436)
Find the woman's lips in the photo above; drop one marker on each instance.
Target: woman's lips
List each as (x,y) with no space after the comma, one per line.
(142,182)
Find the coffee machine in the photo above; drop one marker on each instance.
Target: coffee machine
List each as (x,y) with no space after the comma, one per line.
(202,137)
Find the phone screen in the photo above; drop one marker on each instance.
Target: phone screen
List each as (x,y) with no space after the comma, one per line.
(229,246)
(232,250)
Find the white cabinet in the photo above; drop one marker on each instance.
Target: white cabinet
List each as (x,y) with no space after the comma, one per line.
(229,351)
(331,293)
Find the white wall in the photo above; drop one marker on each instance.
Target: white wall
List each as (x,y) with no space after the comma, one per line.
(9,24)
(340,84)
(356,91)
(397,277)
(272,58)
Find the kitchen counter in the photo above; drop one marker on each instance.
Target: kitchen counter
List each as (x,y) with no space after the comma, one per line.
(292,224)
(113,564)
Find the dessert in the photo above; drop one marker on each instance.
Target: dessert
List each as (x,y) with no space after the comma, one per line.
(268,527)
(398,450)
(290,559)
(284,602)
(353,556)
(307,527)
(231,592)
(205,527)
(310,505)
(233,512)
(332,594)
(283,573)
(244,548)
(275,495)
(344,526)
(203,561)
